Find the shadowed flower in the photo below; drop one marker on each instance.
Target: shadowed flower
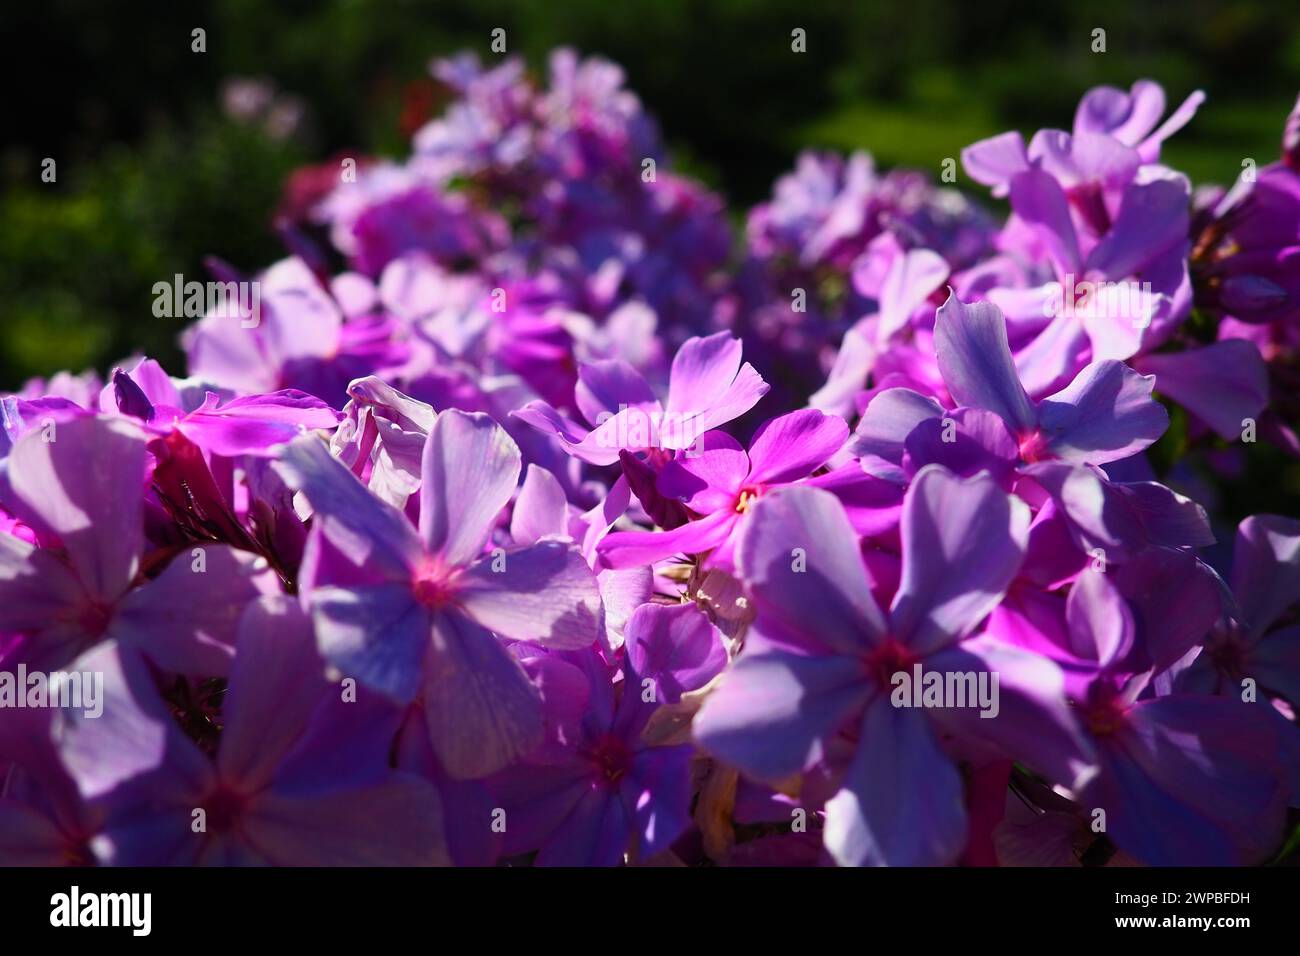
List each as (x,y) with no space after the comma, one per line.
(410,612)
(822,656)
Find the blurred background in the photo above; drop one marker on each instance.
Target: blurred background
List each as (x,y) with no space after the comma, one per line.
(165,156)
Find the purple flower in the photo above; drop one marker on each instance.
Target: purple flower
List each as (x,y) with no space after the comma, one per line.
(1109,127)
(43,820)
(721,484)
(1105,415)
(1183,779)
(707,387)
(823,655)
(1259,640)
(816,266)
(410,612)
(246,425)
(301,340)
(276,792)
(388,211)
(1110,222)
(83,492)
(595,789)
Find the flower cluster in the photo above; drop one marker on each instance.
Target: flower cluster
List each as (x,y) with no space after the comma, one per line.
(550,529)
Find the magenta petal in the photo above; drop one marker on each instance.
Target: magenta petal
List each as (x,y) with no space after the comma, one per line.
(994,161)
(571,437)
(602,517)
(657,796)
(1266,568)
(1152,218)
(675,646)
(1039,201)
(86,486)
(537,799)
(482,712)
(798,551)
(1101,628)
(1106,414)
(965,442)
(626,549)
(1033,722)
(1053,356)
(605,387)
(1121,519)
(873,505)
(774,709)
(707,480)
(970,344)
(1195,781)
(901,801)
(370,532)
(133,738)
(253,424)
(794,445)
(742,395)
(703,369)
(888,419)
(470,469)
(185,620)
(847,377)
(1126,116)
(912,280)
(1177,599)
(277,680)
(541,510)
(544,592)
(35,586)
(622,591)
(963,542)
(1222,384)
(708,387)
(395,823)
(156,384)
(1085,158)
(1149,148)
(595,833)
(377,635)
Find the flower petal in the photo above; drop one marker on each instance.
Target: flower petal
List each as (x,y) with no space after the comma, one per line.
(370,532)
(470,467)
(773,711)
(482,712)
(901,801)
(793,446)
(86,485)
(1106,414)
(970,344)
(545,592)
(798,552)
(375,634)
(963,542)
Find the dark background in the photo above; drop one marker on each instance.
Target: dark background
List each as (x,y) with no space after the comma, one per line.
(153,176)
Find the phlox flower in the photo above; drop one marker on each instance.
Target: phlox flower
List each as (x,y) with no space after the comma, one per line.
(411,612)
